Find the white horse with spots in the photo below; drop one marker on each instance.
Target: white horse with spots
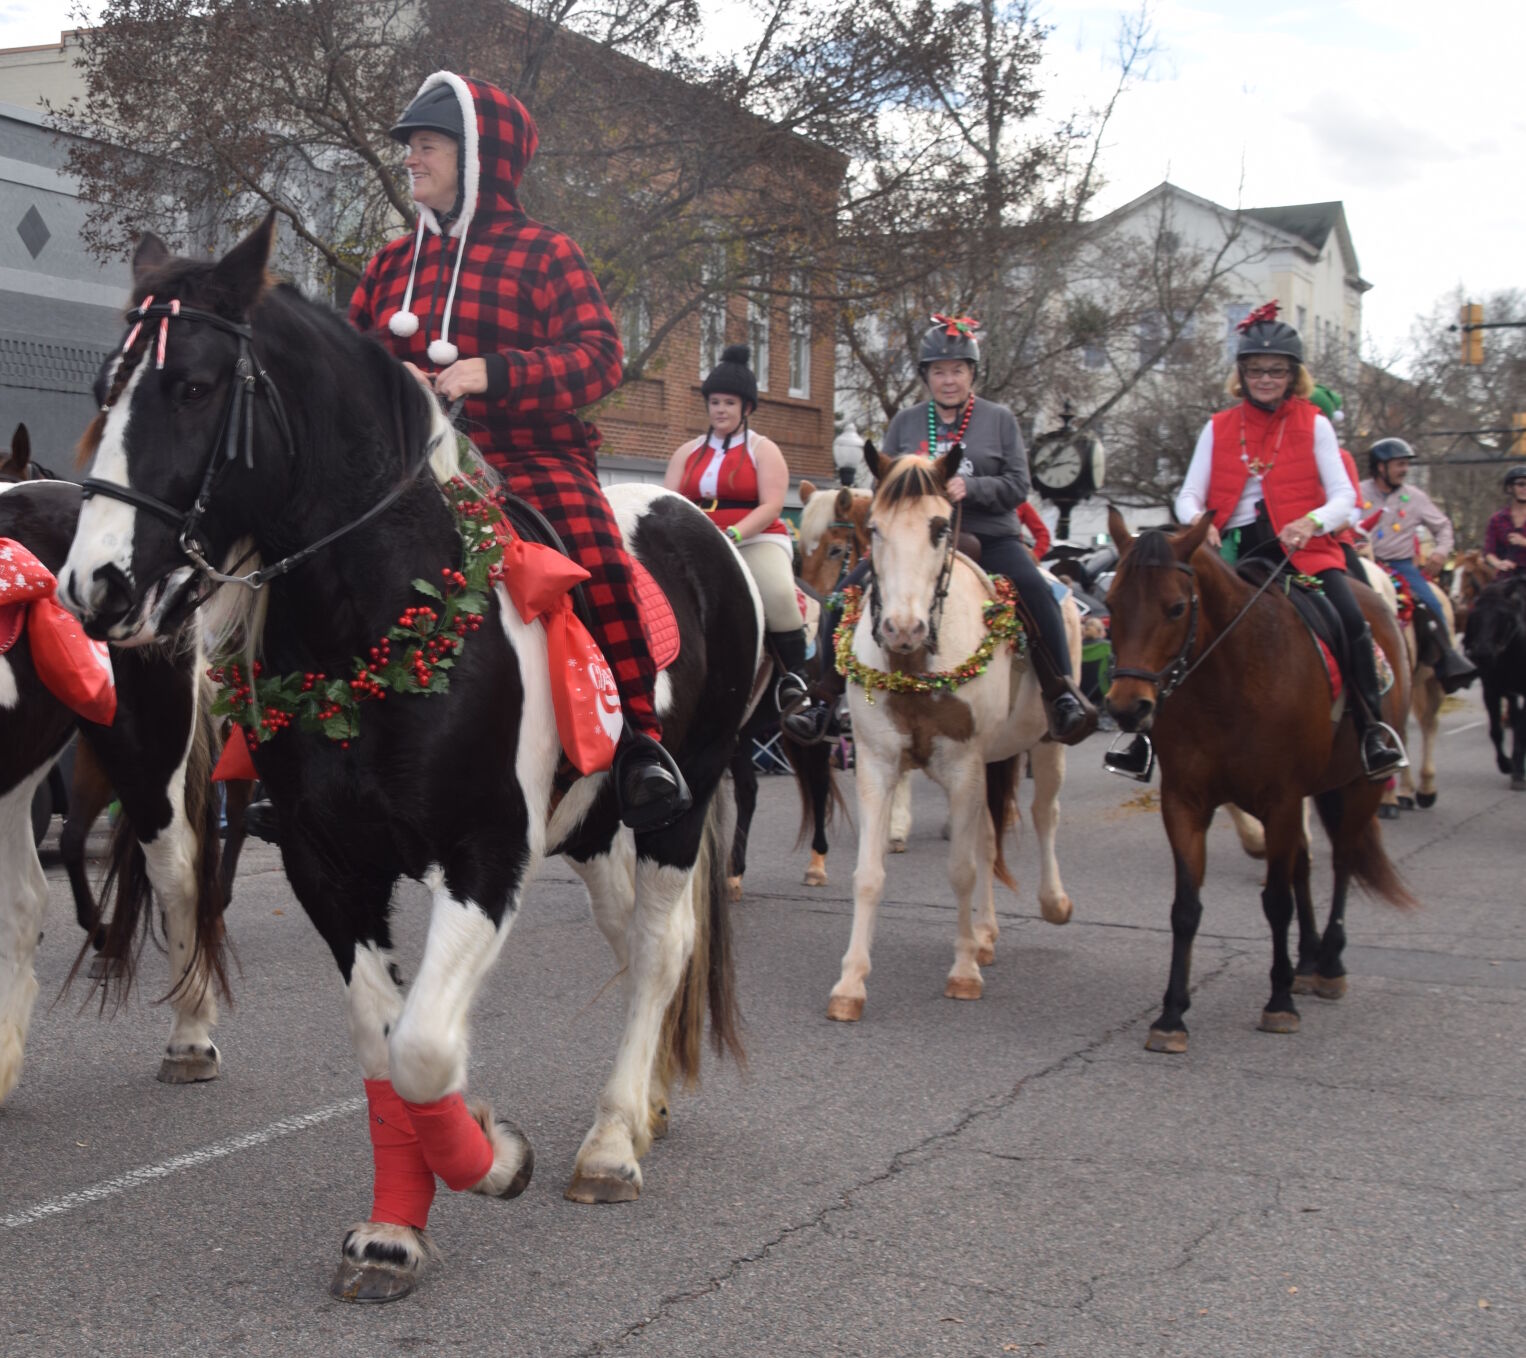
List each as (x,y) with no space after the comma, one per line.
(967,739)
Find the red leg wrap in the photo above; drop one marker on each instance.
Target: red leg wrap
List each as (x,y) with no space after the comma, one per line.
(455,1146)
(404,1183)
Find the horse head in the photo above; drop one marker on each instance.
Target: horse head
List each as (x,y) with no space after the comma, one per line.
(1153,604)
(16,465)
(834,534)
(1496,622)
(911,542)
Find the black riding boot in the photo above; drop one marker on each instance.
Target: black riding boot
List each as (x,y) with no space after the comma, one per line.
(1452,670)
(649,785)
(1071,716)
(1382,750)
(260,821)
(803,716)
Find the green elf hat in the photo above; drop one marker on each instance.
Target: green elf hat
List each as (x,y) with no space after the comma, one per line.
(1326,400)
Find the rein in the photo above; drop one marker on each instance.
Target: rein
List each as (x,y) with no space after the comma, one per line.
(1166,681)
(236,436)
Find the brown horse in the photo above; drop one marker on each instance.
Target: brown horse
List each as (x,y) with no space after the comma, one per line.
(1245,731)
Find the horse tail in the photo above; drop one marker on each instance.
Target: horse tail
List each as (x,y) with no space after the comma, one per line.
(817,785)
(1001,802)
(1358,850)
(709,980)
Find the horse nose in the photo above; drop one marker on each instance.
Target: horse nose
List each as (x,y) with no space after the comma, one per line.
(1135,715)
(107,600)
(905,634)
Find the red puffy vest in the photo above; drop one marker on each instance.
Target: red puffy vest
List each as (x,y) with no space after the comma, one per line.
(1290,486)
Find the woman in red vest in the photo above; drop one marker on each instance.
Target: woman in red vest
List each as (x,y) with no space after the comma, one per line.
(1271,471)
(739,478)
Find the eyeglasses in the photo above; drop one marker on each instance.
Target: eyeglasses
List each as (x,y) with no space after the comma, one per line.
(1256,370)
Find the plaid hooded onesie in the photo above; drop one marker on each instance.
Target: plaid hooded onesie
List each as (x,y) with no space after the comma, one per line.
(521,297)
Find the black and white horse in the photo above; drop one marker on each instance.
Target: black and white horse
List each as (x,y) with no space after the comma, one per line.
(272,427)
(158,752)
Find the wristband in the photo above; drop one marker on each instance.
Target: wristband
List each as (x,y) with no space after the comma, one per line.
(734,535)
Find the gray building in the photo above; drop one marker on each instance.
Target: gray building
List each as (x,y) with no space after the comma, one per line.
(60,309)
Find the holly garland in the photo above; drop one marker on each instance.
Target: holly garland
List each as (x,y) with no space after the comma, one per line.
(1002,625)
(415,655)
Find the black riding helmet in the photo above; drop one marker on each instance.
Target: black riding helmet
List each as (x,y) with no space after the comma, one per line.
(1388,450)
(1262,333)
(436,110)
(1516,473)
(948,337)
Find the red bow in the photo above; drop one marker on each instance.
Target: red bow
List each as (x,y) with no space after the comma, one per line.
(76,670)
(954,326)
(1261,313)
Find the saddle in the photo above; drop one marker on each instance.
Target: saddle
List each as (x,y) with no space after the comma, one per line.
(1315,611)
(658,621)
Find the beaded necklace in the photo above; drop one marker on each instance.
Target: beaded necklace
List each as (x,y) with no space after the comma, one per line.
(969,409)
(1260,466)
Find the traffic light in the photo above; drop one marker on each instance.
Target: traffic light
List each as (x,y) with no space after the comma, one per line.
(1518,438)
(1472,314)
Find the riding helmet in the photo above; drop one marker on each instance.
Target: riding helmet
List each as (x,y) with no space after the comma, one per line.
(948,337)
(1516,473)
(732,376)
(437,109)
(1262,333)
(1389,450)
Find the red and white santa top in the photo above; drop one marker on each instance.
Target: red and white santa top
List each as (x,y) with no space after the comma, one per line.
(721,477)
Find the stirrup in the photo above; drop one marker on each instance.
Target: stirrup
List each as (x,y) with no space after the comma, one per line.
(1124,760)
(790,692)
(1382,772)
(660,812)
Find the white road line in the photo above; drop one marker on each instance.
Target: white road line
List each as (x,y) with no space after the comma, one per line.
(136,1178)
(1467,726)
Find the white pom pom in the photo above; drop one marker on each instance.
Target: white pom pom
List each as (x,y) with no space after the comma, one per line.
(442,353)
(403,324)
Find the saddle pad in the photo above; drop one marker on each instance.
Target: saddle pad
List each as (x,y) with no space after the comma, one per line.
(12,619)
(657,618)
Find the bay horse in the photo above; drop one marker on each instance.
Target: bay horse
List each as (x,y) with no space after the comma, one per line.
(1495,639)
(921,697)
(158,752)
(327,485)
(1248,722)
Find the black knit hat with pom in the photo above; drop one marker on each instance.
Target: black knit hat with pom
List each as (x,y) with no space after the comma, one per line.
(732,376)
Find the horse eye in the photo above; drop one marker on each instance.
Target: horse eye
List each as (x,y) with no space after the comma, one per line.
(836,550)
(193,391)
(1176,610)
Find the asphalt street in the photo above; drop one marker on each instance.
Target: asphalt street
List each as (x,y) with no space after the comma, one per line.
(1015,1175)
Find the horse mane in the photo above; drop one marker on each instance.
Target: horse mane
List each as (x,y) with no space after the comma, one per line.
(910,477)
(1151,548)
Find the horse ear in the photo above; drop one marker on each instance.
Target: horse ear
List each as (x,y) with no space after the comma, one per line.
(807,489)
(948,464)
(242,270)
(1184,544)
(21,447)
(877,465)
(151,254)
(843,508)
(1123,540)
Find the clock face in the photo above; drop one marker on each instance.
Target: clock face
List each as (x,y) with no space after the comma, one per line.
(1058,464)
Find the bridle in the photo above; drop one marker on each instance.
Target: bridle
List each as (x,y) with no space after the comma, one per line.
(1166,681)
(235,439)
(940,590)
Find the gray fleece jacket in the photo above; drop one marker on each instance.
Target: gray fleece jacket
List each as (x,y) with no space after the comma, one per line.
(995,466)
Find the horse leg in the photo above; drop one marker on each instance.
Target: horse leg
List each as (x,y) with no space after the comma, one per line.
(1494,700)
(660,941)
(1252,835)
(1517,712)
(23,897)
(818,784)
(1426,706)
(1285,840)
(875,782)
(900,814)
(1046,760)
(744,778)
(1186,830)
(1308,926)
(971,852)
(89,795)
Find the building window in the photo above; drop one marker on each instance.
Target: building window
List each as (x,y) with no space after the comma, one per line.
(712,314)
(758,308)
(1303,320)
(799,338)
(1093,356)
(635,324)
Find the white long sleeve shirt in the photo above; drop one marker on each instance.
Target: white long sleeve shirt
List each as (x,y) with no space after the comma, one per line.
(1338,510)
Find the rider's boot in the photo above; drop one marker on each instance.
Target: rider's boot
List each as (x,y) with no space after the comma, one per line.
(260,821)
(1382,750)
(1071,716)
(804,718)
(649,785)
(1453,671)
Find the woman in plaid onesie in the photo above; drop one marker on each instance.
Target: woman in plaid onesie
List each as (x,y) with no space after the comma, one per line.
(487,304)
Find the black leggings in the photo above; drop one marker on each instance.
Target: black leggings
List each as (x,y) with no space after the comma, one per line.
(1338,591)
(1007,556)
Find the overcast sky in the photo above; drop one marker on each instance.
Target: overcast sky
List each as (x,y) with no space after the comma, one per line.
(1409,111)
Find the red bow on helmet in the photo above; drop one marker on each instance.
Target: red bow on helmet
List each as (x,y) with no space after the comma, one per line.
(954,326)
(1261,313)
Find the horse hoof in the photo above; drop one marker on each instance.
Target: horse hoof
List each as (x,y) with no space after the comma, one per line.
(963,988)
(986,954)
(1405,803)
(733,889)
(816,874)
(1303,983)
(1171,1041)
(1056,912)
(845,1008)
(595,1188)
(897,846)
(369,1282)
(1275,1022)
(1329,987)
(1501,763)
(1518,784)
(190,1067)
(103,968)
(1388,812)
(513,1157)
(1425,800)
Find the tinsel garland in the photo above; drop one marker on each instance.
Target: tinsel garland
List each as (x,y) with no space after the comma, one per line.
(414,656)
(1002,625)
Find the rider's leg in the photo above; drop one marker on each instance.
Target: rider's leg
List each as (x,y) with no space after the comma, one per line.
(650,788)
(1071,717)
(1382,751)
(802,717)
(1452,670)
